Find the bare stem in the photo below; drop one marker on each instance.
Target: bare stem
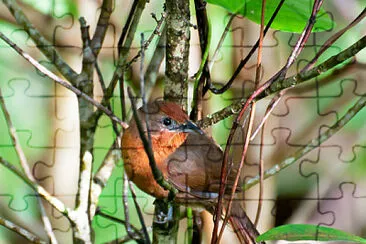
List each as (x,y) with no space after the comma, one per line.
(21,231)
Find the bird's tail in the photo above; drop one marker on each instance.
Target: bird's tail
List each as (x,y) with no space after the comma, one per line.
(242,225)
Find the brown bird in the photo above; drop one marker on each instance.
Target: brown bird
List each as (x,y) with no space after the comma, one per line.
(187,157)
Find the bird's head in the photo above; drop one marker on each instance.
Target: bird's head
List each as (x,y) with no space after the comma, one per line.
(168,123)
(167,117)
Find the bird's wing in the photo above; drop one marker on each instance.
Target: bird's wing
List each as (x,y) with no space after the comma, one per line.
(196,166)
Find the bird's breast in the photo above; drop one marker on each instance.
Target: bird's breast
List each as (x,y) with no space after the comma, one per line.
(136,162)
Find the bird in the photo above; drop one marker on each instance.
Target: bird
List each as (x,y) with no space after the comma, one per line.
(187,157)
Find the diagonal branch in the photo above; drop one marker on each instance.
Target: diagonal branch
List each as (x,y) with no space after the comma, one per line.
(21,231)
(62,82)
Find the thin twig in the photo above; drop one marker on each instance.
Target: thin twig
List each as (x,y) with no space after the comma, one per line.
(124,45)
(62,82)
(314,143)
(261,172)
(203,73)
(25,166)
(272,104)
(126,210)
(139,214)
(152,69)
(156,32)
(126,27)
(15,140)
(221,41)
(122,59)
(21,231)
(261,162)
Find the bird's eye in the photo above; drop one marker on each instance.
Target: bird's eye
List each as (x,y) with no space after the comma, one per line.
(167,121)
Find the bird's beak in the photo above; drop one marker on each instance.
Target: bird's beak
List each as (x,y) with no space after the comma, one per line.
(189,126)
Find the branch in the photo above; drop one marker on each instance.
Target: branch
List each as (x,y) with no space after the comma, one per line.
(139,214)
(324,47)
(21,231)
(314,143)
(89,58)
(177,51)
(42,44)
(287,83)
(62,82)
(102,27)
(56,203)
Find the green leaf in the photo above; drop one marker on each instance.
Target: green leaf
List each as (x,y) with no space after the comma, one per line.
(292,17)
(301,232)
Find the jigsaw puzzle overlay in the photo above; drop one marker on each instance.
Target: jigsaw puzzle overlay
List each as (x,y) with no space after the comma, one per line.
(325,187)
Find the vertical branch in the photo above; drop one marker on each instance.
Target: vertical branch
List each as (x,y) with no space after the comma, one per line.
(82,230)
(177,50)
